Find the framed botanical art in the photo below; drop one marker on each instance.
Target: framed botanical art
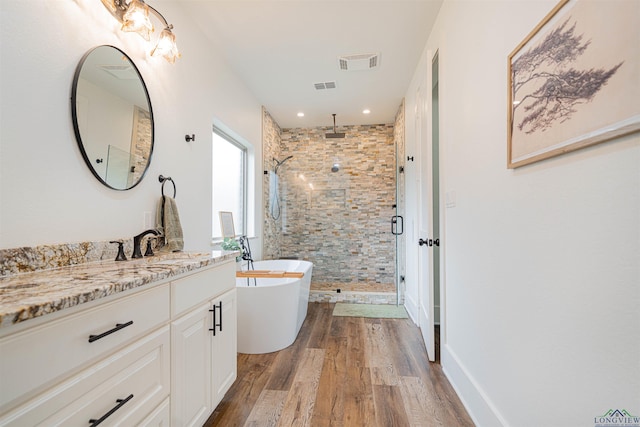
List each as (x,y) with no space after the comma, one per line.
(574,81)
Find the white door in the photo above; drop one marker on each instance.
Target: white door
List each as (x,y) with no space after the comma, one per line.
(425,259)
(429,211)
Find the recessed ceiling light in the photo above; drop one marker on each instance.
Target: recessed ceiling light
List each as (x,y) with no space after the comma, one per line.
(300,114)
(366,111)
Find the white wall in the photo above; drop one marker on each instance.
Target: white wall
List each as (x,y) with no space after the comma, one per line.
(47,194)
(542,270)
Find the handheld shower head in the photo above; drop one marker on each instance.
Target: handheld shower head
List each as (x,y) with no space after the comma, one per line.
(280,163)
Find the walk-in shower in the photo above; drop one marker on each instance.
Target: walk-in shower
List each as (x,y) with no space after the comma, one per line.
(332,206)
(274,192)
(337,215)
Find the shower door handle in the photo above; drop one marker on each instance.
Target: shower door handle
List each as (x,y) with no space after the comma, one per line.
(394,225)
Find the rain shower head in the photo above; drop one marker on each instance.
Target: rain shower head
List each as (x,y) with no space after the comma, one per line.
(334,134)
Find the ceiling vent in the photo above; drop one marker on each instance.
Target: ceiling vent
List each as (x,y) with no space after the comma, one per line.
(121,72)
(325,85)
(365,61)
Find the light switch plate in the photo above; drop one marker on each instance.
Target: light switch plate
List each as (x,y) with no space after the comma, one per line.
(148,221)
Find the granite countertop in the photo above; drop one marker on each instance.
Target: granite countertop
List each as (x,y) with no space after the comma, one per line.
(26,296)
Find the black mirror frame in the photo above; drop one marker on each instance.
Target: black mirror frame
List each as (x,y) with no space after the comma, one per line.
(76,128)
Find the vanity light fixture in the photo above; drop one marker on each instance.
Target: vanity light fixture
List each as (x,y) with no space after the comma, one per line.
(134,17)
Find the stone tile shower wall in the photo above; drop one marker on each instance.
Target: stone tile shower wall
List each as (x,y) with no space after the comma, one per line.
(271,148)
(338,220)
(140,144)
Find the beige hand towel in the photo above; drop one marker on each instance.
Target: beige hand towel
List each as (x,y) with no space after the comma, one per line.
(168,222)
(160,222)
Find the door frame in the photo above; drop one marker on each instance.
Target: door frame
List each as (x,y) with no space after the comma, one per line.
(426,285)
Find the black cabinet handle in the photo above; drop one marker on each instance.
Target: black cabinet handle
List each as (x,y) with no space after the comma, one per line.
(120,404)
(119,326)
(213,310)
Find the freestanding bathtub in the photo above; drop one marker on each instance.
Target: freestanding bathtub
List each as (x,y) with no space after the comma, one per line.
(271,311)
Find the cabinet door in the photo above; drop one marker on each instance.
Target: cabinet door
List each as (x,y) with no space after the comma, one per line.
(191,392)
(225,347)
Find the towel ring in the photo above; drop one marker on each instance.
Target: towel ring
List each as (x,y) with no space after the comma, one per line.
(163,180)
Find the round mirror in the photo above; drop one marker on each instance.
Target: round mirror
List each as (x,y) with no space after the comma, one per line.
(112,117)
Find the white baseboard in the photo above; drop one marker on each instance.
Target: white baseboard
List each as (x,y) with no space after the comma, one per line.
(480,408)
(411,306)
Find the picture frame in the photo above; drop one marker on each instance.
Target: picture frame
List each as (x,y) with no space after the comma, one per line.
(226,225)
(572,82)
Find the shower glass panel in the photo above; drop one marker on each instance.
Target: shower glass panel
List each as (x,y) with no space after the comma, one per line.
(336,199)
(118,167)
(400,235)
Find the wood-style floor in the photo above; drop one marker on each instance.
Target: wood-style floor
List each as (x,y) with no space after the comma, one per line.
(343,371)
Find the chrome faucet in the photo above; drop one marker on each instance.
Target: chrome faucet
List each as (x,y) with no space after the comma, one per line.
(137,253)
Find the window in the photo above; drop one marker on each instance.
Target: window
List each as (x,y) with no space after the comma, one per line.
(229,172)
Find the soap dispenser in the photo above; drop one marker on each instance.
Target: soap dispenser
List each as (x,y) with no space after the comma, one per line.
(121,256)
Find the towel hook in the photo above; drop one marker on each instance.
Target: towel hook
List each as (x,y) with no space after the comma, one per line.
(163,180)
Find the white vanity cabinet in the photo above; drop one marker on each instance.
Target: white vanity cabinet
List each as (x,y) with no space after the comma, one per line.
(204,344)
(110,358)
(146,357)
(225,347)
